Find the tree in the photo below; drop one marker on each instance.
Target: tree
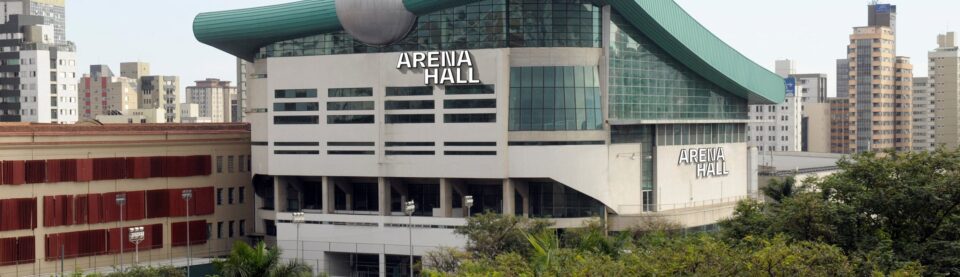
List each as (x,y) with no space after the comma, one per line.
(490,234)
(777,190)
(887,210)
(259,260)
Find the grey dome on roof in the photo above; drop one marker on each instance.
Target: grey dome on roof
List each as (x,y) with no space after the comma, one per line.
(375,22)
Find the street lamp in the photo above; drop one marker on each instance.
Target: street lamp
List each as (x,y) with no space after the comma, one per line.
(136,236)
(408,209)
(298,218)
(121,200)
(186,195)
(468,202)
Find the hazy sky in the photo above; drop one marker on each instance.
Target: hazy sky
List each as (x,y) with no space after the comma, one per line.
(812,32)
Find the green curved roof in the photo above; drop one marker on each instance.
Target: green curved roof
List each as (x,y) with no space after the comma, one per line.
(242,33)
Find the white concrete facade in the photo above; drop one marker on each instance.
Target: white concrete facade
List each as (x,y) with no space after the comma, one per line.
(48,91)
(306,158)
(776,127)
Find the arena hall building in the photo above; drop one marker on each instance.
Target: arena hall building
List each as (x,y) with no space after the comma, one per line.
(619,109)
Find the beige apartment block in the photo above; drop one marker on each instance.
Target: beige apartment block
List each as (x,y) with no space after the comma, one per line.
(879,92)
(945,78)
(161,92)
(63,181)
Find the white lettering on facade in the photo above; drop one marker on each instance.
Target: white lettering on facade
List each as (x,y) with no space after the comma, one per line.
(709,162)
(441,68)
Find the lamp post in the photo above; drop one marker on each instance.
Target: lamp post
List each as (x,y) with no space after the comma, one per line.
(468,202)
(121,200)
(136,236)
(186,195)
(298,218)
(408,209)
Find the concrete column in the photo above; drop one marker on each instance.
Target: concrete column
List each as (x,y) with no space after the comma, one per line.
(509,202)
(348,190)
(279,195)
(402,190)
(524,191)
(328,190)
(446,198)
(460,188)
(382,265)
(383,196)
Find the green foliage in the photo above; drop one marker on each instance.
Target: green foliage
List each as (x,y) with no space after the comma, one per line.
(779,190)
(489,234)
(891,212)
(259,260)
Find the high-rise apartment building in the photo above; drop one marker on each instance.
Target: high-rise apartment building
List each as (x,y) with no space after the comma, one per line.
(945,79)
(241,90)
(839,125)
(880,86)
(53,13)
(843,78)
(38,76)
(785,68)
(924,111)
(134,70)
(811,87)
(776,127)
(215,99)
(102,93)
(161,92)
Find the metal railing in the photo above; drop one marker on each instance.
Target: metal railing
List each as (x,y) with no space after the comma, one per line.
(109,262)
(650,208)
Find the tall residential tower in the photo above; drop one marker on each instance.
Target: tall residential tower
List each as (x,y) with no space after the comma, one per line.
(945,79)
(880,92)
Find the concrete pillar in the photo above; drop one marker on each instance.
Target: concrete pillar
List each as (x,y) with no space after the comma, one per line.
(348,190)
(462,190)
(382,265)
(446,198)
(524,191)
(509,201)
(402,190)
(279,195)
(328,190)
(383,196)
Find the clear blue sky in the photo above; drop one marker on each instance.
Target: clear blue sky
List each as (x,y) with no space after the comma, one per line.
(812,32)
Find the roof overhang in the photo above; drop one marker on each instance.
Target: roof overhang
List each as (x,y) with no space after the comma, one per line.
(243,32)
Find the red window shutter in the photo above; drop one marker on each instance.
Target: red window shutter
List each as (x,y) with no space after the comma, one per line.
(52,244)
(177,206)
(35,172)
(84,170)
(111,211)
(156,236)
(27,213)
(135,207)
(113,240)
(81,208)
(49,211)
(9,210)
(69,170)
(156,167)
(26,250)
(59,210)
(158,203)
(8,251)
(178,233)
(53,171)
(204,201)
(94,208)
(13,173)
